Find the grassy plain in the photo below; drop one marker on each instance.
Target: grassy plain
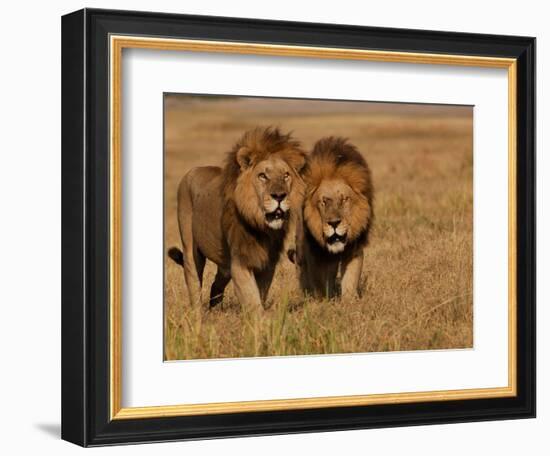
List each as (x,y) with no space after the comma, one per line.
(418,269)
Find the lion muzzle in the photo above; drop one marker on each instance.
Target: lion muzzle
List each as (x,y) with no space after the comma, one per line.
(336,238)
(276,212)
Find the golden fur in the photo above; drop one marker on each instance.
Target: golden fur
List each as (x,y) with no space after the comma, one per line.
(238,216)
(337,216)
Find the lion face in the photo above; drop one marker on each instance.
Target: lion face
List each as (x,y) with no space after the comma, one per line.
(335,214)
(268,184)
(272,182)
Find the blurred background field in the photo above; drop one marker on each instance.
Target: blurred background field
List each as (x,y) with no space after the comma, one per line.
(418,269)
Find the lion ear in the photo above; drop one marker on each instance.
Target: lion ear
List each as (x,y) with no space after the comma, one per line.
(297,161)
(244,157)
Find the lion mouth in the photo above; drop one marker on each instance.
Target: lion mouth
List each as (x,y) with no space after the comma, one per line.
(275,219)
(277,214)
(335,238)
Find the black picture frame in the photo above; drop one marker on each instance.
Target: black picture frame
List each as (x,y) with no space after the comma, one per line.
(85,227)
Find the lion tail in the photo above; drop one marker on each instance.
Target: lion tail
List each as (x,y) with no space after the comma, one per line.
(176,255)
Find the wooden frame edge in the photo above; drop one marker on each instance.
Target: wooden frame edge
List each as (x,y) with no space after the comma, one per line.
(115,261)
(512,227)
(308,403)
(116,45)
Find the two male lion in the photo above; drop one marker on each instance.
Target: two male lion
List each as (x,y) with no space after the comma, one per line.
(239,216)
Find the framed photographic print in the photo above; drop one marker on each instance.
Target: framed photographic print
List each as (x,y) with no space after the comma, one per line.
(278,227)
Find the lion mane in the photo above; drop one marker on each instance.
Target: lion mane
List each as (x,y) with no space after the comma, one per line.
(242,219)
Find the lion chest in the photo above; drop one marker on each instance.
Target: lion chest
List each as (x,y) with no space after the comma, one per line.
(253,248)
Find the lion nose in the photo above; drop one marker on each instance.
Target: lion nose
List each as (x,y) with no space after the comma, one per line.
(278,196)
(334,223)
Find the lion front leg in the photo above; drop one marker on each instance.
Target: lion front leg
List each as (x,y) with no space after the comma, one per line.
(325,279)
(264,279)
(246,288)
(351,274)
(317,278)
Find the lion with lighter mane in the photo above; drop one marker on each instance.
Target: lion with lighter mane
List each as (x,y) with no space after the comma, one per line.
(238,216)
(337,217)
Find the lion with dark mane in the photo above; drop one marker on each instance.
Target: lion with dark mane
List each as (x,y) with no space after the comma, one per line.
(238,216)
(337,217)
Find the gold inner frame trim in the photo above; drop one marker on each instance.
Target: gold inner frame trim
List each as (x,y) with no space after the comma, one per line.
(117,44)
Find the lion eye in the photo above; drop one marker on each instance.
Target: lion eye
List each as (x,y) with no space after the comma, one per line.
(286,176)
(346,199)
(262,176)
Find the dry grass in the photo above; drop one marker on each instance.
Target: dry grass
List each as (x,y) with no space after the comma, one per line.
(417,290)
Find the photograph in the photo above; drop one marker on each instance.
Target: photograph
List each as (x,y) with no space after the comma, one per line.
(314,227)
